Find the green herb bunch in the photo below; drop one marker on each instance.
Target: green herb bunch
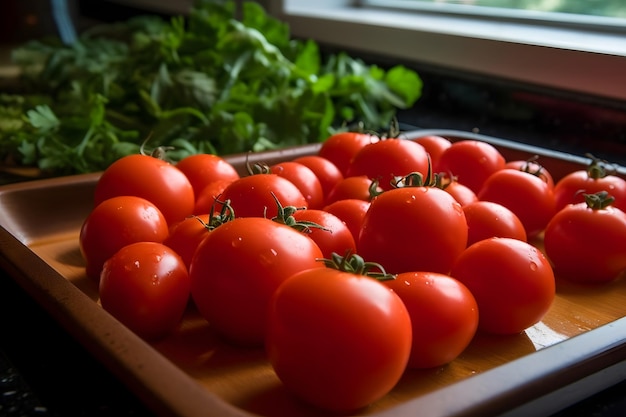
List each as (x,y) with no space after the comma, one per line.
(207,82)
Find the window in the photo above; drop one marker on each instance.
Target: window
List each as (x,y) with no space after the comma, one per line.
(575,53)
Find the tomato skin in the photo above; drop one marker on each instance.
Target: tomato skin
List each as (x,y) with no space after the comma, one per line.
(251,196)
(154,179)
(571,189)
(529,197)
(303,178)
(115,223)
(352,212)
(357,187)
(487,219)
(434,145)
(461,193)
(531,167)
(413,229)
(341,147)
(202,169)
(336,238)
(587,245)
(206,199)
(511,280)
(471,161)
(387,159)
(237,268)
(337,340)
(327,173)
(146,286)
(185,236)
(444,316)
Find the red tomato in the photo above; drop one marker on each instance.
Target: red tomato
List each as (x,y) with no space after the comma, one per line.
(352,212)
(335,237)
(471,161)
(487,219)
(387,159)
(303,178)
(327,172)
(203,169)
(115,223)
(337,340)
(434,145)
(186,235)
(531,166)
(586,242)
(444,316)
(596,177)
(145,285)
(251,196)
(359,188)
(206,199)
(461,193)
(511,280)
(413,229)
(151,178)
(526,195)
(237,268)
(341,147)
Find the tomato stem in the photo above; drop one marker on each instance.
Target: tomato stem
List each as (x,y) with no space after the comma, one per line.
(355,264)
(598,168)
(599,200)
(285,216)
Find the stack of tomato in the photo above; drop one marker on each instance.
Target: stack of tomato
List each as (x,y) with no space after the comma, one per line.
(350,265)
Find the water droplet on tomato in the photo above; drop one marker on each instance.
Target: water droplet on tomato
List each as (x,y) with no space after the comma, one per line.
(533,266)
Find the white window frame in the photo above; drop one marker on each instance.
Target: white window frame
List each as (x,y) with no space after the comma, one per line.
(587,58)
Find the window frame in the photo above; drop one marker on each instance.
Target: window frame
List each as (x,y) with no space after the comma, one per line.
(574,57)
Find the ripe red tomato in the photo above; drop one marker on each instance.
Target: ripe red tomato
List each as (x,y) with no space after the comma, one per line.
(206,199)
(511,280)
(237,268)
(303,178)
(154,179)
(202,169)
(327,172)
(352,212)
(115,223)
(387,159)
(471,161)
(487,219)
(146,286)
(337,340)
(251,196)
(341,147)
(434,145)
(586,242)
(526,195)
(461,193)
(596,177)
(444,316)
(359,187)
(185,236)
(413,229)
(335,237)
(531,166)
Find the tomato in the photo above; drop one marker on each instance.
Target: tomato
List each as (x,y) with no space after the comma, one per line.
(335,237)
(596,177)
(185,236)
(115,223)
(526,195)
(202,169)
(237,268)
(206,199)
(360,187)
(387,159)
(586,242)
(511,280)
(434,145)
(413,229)
(461,193)
(327,173)
(444,316)
(154,179)
(337,340)
(251,196)
(146,286)
(352,212)
(303,178)
(487,219)
(341,147)
(471,161)
(531,166)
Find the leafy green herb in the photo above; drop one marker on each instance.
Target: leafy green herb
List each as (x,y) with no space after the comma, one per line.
(204,83)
